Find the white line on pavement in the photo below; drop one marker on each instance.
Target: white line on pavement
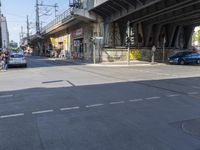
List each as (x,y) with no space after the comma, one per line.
(196,87)
(42,112)
(94,105)
(151,98)
(173,95)
(6,96)
(69,108)
(136,100)
(12,115)
(193,93)
(119,102)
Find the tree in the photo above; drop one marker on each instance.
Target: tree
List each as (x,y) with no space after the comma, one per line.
(196,36)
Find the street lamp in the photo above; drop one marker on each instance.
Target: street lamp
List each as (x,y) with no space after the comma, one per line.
(128,43)
(153,54)
(164,41)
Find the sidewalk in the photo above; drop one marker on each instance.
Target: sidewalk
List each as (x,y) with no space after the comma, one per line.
(125,64)
(107,64)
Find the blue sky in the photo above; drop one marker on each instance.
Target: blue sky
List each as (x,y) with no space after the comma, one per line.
(17,10)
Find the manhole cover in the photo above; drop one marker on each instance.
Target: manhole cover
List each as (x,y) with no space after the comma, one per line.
(191,127)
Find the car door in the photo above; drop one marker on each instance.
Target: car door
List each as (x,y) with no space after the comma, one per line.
(188,57)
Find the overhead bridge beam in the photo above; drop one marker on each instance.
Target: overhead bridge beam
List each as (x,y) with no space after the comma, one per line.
(180,5)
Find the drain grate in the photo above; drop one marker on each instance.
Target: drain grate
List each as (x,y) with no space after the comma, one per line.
(190,127)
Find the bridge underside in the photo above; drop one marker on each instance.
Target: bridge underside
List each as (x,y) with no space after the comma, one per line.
(152,21)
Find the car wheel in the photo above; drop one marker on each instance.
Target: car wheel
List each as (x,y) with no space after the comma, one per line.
(198,61)
(25,66)
(182,62)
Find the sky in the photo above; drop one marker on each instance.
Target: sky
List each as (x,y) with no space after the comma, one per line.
(16,11)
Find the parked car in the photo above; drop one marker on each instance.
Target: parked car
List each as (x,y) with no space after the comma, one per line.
(17,59)
(185,58)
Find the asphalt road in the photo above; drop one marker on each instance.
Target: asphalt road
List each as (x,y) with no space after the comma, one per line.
(53,105)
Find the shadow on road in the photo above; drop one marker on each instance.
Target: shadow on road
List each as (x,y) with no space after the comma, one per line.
(113,116)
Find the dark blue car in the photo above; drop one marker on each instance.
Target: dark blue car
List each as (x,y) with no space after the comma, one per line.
(185,58)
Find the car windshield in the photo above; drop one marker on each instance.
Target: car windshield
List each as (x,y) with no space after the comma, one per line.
(17,56)
(182,53)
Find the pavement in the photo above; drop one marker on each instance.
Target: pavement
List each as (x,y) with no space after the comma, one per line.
(58,106)
(107,64)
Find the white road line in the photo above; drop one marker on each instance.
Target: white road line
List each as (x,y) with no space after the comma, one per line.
(6,96)
(119,102)
(94,105)
(69,108)
(173,95)
(151,98)
(136,100)
(42,112)
(12,115)
(196,87)
(193,93)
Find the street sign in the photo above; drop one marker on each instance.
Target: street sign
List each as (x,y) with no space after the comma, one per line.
(99,38)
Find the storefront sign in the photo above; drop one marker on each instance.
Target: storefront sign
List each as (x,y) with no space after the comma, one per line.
(78,33)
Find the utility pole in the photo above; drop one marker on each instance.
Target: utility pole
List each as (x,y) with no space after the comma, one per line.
(28,27)
(37,18)
(22,32)
(1,42)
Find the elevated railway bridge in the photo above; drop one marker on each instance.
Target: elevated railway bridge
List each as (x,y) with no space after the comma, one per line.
(163,23)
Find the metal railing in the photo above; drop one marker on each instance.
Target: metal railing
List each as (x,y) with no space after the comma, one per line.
(58,20)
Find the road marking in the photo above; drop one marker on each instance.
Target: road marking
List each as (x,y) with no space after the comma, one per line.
(42,112)
(6,96)
(193,93)
(196,87)
(94,105)
(72,84)
(136,100)
(151,98)
(173,95)
(69,108)
(12,115)
(119,102)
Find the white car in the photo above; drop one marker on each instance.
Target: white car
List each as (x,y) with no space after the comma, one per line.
(17,59)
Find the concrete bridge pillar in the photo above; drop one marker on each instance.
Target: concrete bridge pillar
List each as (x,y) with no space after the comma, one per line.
(188,30)
(147,34)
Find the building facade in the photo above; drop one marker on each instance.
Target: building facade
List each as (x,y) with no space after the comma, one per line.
(4,42)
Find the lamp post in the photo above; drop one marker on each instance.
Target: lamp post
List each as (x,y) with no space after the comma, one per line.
(128,43)
(153,54)
(164,41)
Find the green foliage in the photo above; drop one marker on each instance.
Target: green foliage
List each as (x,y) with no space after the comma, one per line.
(196,36)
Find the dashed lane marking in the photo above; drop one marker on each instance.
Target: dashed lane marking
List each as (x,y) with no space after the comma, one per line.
(94,105)
(69,108)
(5,96)
(151,98)
(136,100)
(196,87)
(119,102)
(12,115)
(173,95)
(42,112)
(193,93)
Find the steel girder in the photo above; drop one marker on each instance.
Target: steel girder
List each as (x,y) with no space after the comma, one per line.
(119,7)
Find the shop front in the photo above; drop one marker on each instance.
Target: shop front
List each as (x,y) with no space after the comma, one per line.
(59,45)
(78,44)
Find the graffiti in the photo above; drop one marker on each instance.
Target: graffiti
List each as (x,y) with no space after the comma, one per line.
(135,54)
